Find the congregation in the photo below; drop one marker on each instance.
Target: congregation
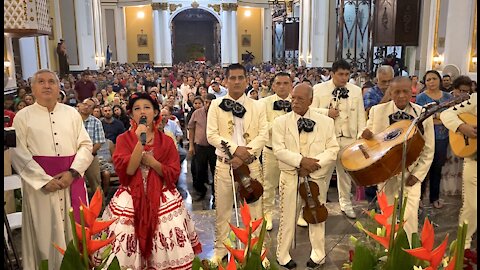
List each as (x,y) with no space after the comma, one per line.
(200,106)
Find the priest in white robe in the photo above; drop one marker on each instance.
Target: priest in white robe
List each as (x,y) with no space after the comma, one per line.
(52,153)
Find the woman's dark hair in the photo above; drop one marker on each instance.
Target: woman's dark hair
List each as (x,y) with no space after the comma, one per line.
(433,72)
(123,113)
(142,95)
(462,80)
(198,98)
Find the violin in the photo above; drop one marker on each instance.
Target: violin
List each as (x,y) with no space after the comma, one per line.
(249,189)
(314,212)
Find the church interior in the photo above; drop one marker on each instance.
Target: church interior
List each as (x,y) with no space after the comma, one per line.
(141,45)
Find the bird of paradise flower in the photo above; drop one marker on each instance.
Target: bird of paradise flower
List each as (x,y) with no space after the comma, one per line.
(81,248)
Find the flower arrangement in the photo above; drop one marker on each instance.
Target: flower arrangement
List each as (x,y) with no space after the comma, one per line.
(249,257)
(78,255)
(391,250)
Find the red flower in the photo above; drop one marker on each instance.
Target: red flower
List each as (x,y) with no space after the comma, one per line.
(425,252)
(244,235)
(382,219)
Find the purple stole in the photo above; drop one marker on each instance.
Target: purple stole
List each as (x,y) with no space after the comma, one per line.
(78,191)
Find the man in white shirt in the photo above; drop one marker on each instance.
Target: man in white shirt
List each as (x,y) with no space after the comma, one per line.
(188,88)
(218,90)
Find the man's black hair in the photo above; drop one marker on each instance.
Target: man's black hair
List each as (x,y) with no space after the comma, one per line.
(236,66)
(340,64)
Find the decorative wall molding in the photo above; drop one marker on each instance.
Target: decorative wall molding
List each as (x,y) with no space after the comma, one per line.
(215,7)
(159,6)
(174,7)
(26,18)
(229,6)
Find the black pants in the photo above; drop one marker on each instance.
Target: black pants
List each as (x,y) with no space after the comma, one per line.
(435,172)
(204,156)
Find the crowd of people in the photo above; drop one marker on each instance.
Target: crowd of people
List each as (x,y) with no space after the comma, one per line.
(283,122)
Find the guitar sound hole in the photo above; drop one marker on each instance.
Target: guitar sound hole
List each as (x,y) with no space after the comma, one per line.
(392,135)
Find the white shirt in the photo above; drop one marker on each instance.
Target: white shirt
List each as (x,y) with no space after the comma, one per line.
(238,125)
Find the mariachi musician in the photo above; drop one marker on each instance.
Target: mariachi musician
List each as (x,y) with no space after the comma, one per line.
(275,106)
(343,102)
(239,121)
(305,145)
(383,115)
(468,213)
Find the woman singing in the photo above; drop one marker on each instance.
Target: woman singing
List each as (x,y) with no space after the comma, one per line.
(154,229)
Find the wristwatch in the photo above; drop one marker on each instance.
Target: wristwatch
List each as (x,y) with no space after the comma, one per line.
(74,173)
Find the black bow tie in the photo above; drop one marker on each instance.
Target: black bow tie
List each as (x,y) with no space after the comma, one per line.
(341,92)
(236,108)
(305,124)
(395,117)
(282,105)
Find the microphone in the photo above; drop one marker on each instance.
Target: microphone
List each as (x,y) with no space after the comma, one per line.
(143,135)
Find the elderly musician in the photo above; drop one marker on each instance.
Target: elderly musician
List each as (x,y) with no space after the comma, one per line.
(305,145)
(276,105)
(383,115)
(240,122)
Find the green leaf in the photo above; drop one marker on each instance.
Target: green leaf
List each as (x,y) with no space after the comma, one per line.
(416,244)
(363,258)
(254,260)
(71,259)
(197,264)
(43,265)
(398,259)
(114,265)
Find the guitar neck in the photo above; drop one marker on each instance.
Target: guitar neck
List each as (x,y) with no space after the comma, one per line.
(436,108)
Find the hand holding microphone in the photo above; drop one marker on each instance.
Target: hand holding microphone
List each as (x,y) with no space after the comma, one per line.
(143,133)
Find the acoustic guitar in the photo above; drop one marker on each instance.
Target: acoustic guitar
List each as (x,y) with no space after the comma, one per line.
(249,189)
(371,162)
(461,145)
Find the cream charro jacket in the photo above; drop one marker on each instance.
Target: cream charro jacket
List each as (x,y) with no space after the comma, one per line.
(322,96)
(271,113)
(321,143)
(220,126)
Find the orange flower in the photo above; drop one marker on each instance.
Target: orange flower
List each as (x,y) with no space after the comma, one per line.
(244,235)
(425,252)
(451,264)
(382,219)
(92,245)
(231,265)
(386,209)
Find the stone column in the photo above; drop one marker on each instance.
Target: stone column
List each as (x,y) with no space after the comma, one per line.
(427,28)
(234,34)
(459,34)
(166,37)
(12,83)
(304,32)
(225,35)
(43,52)
(318,50)
(157,29)
(121,35)
(267,34)
(29,59)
